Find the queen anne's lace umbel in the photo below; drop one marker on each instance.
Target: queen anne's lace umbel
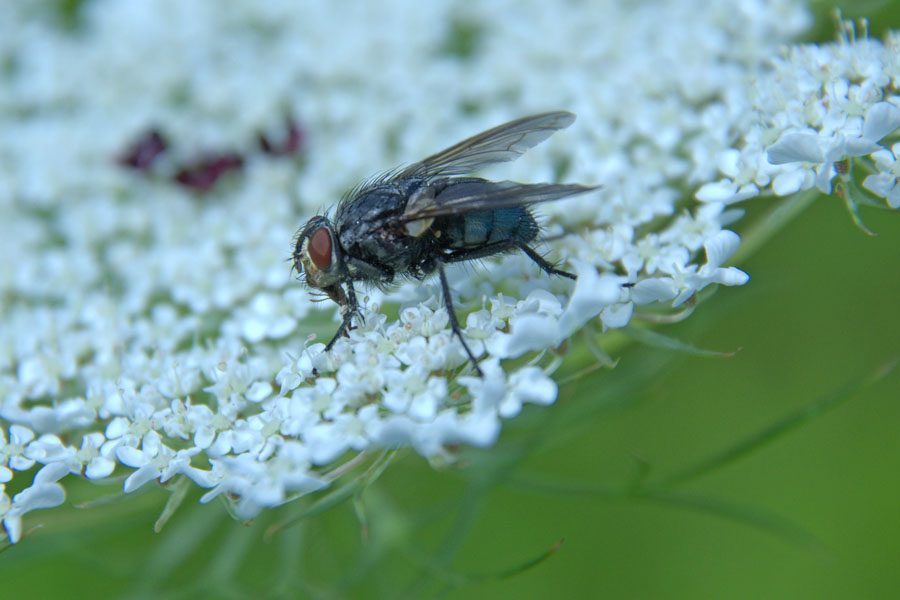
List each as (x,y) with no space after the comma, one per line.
(152,331)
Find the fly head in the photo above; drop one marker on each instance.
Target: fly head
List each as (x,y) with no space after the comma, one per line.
(318,255)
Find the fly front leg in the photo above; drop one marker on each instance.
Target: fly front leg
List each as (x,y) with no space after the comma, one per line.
(454,323)
(350,308)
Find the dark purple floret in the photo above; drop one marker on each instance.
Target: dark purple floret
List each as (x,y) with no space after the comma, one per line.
(204,174)
(291,144)
(144,152)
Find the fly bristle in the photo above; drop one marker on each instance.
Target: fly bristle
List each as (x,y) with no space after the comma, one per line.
(373,181)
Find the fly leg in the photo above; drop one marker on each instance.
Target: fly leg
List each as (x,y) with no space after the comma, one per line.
(351,309)
(342,330)
(505,246)
(543,263)
(487,250)
(454,323)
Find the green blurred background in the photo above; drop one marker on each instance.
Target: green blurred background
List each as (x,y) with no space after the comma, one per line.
(811,514)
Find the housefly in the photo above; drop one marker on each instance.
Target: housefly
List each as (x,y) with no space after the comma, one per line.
(414,220)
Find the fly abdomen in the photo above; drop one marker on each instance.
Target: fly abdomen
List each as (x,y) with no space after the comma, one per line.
(483,227)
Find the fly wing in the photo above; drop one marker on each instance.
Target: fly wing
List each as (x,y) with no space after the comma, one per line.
(502,143)
(489,195)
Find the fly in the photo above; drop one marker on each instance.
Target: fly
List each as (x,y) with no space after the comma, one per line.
(413,221)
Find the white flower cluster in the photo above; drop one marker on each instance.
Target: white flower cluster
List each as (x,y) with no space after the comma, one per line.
(153,331)
(818,106)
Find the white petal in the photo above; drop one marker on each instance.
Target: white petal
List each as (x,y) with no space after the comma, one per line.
(99,468)
(478,430)
(282,326)
(882,119)
(205,479)
(131,457)
(246,508)
(39,495)
(592,293)
(860,147)
(326,443)
(92,440)
(254,329)
(719,191)
(683,296)
(788,182)
(21,463)
(893,198)
(20,435)
(824,176)
(259,391)
(151,443)
(748,190)
(529,384)
(731,276)
(204,436)
(796,147)
(653,289)
(880,184)
(392,432)
(721,246)
(487,393)
(884,159)
(528,332)
(117,428)
(12,522)
(140,477)
(423,408)
(729,162)
(617,315)
(51,473)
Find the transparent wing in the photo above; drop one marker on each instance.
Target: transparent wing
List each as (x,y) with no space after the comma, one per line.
(502,143)
(489,195)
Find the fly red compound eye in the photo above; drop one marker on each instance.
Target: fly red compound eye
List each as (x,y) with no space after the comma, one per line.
(320,248)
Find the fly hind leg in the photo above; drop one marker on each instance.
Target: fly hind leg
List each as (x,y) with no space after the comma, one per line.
(505,246)
(454,323)
(475,253)
(545,265)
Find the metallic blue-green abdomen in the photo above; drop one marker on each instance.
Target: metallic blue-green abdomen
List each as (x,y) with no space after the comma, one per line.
(482,227)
